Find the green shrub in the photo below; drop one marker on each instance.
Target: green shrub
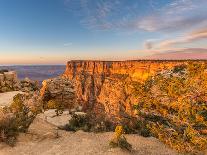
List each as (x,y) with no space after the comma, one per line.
(17,119)
(119,140)
(179,69)
(78,122)
(52,104)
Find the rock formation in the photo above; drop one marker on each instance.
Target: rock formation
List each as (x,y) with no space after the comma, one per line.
(8,81)
(105,87)
(59,90)
(28,85)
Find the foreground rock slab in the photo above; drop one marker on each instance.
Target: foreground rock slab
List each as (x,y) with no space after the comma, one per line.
(45,139)
(50,117)
(81,143)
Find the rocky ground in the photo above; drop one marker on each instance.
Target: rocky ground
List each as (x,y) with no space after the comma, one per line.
(44,138)
(81,143)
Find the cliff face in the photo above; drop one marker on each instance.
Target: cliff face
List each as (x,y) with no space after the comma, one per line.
(105,87)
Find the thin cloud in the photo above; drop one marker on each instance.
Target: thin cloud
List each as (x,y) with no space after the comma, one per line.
(67,44)
(176,16)
(123,14)
(107,14)
(196,35)
(178,54)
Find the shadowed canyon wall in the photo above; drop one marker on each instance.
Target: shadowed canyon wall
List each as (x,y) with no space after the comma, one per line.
(105,87)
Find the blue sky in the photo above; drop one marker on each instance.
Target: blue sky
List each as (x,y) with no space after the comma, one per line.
(55,31)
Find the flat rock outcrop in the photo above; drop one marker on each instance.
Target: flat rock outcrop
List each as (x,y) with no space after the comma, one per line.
(51,117)
(44,139)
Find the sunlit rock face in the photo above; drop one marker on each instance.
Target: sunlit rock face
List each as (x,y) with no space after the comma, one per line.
(60,90)
(9,81)
(105,87)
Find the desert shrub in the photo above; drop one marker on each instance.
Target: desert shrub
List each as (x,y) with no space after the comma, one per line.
(22,113)
(119,140)
(52,104)
(86,122)
(8,130)
(17,104)
(16,119)
(173,106)
(143,129)
(179,68)
(79,121)
(8,133)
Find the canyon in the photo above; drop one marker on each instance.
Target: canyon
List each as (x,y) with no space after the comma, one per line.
(105,88)
(104,91)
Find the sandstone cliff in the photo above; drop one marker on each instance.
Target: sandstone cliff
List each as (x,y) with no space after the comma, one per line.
(104,87)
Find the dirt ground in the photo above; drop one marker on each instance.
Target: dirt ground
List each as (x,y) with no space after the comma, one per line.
(81,143)
(45,139)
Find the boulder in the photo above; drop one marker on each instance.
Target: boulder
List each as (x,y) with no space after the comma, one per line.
(9,81)
(60,90)
(28,85)
(42,129)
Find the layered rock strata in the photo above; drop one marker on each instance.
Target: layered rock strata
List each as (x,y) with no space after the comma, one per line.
(105,87)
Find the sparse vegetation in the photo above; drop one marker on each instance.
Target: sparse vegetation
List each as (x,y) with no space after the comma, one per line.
(15,119)
(78,122)
(173,105)
(119,140)
(85,122)
(52,104)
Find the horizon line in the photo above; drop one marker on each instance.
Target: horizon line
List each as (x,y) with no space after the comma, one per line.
(96,60)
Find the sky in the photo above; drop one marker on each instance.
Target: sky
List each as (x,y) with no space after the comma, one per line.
(56,31)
